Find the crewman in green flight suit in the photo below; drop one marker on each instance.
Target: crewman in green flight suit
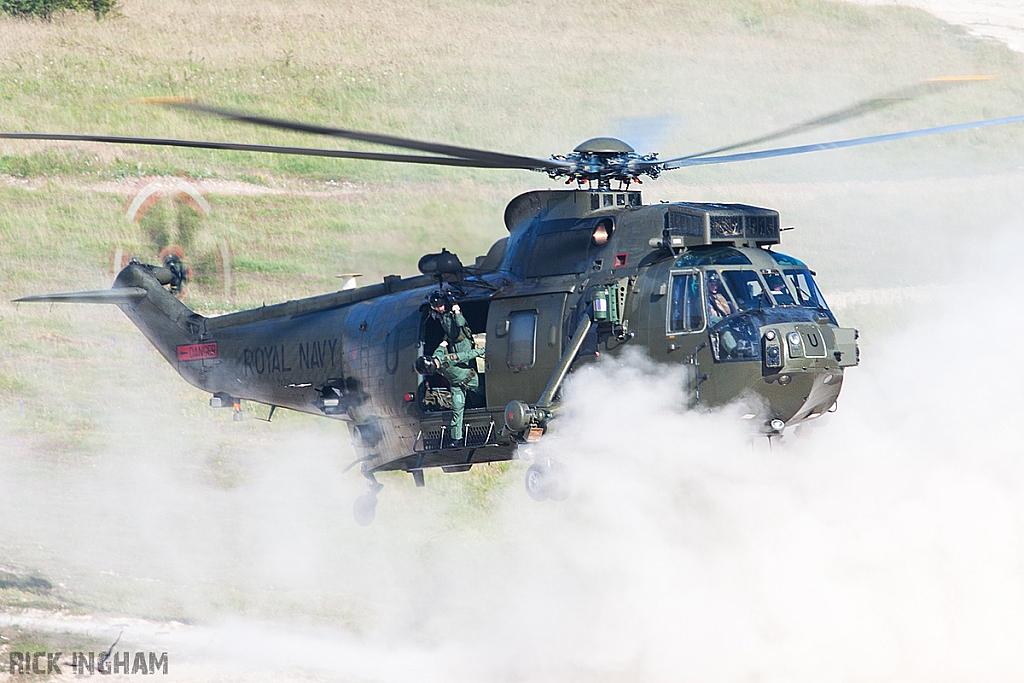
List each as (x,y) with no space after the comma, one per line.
(454,359)
(453,324)
(460,371)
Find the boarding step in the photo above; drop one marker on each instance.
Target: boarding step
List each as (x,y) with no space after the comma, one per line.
(477,435)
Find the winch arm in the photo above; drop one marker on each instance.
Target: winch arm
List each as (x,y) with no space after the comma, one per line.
(558,376)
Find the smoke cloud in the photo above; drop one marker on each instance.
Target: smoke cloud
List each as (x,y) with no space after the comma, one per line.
(885,544)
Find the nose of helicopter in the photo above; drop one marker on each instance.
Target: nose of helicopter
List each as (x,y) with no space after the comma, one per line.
(794,398)
(802,371)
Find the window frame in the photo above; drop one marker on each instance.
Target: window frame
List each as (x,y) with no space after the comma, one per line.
(509,337)
(731,288)
(765,272)
(816,290)
(672,274)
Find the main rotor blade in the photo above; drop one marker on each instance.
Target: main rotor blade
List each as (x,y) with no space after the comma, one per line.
(926,87)
(493,159)
(240,147)
(838,144)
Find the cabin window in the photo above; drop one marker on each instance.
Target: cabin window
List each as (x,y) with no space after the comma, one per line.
(736,339)
(522,338)
(685,312)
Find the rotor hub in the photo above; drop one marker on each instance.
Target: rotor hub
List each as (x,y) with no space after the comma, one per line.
(612,146)
(604,160)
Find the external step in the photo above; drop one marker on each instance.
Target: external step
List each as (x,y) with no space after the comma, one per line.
(477,435)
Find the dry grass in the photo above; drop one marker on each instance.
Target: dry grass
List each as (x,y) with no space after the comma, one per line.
(528,77)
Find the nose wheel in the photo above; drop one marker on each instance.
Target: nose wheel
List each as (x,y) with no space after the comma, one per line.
(364,509)
(548,480)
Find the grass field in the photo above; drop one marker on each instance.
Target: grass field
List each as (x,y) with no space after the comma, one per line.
(526,77)
(81,393)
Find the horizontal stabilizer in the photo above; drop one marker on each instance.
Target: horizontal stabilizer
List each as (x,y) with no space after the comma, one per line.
(118,295)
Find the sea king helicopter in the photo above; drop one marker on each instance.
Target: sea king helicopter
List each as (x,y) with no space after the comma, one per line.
(583,272)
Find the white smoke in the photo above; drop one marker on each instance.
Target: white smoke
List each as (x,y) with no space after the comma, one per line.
(888,544)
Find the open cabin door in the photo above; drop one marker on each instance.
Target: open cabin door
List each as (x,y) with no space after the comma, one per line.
(524,345)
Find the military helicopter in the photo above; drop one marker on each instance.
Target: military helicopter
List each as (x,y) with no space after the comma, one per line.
(584,271)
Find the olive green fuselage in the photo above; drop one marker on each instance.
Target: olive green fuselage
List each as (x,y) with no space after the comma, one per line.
(350,354)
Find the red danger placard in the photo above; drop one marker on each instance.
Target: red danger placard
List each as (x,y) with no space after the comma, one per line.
(197,351)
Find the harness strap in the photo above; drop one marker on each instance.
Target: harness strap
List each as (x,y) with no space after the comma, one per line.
(463,385)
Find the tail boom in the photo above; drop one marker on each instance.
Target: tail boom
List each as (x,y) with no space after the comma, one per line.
(140,292)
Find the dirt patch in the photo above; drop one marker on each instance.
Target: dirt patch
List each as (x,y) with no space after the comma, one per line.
(999,19)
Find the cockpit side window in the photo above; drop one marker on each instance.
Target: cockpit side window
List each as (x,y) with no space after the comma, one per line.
(685,313)
(777,287)
(747,288)
(720,304)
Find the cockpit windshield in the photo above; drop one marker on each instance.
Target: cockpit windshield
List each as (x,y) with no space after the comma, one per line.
(746,288)
(806,289)
(733,290)
(777,286)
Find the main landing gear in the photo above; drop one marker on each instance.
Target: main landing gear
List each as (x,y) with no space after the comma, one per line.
(365,508)
(548,479)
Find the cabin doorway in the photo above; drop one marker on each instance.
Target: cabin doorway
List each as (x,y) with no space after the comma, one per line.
(433,392)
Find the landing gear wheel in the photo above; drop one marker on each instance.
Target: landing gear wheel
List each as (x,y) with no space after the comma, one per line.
(536,485)
(365,509)
(547,481)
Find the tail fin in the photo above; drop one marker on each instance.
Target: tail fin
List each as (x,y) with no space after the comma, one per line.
(139,291)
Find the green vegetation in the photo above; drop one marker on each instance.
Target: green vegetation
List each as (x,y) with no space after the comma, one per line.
(28,591)
(47,8)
